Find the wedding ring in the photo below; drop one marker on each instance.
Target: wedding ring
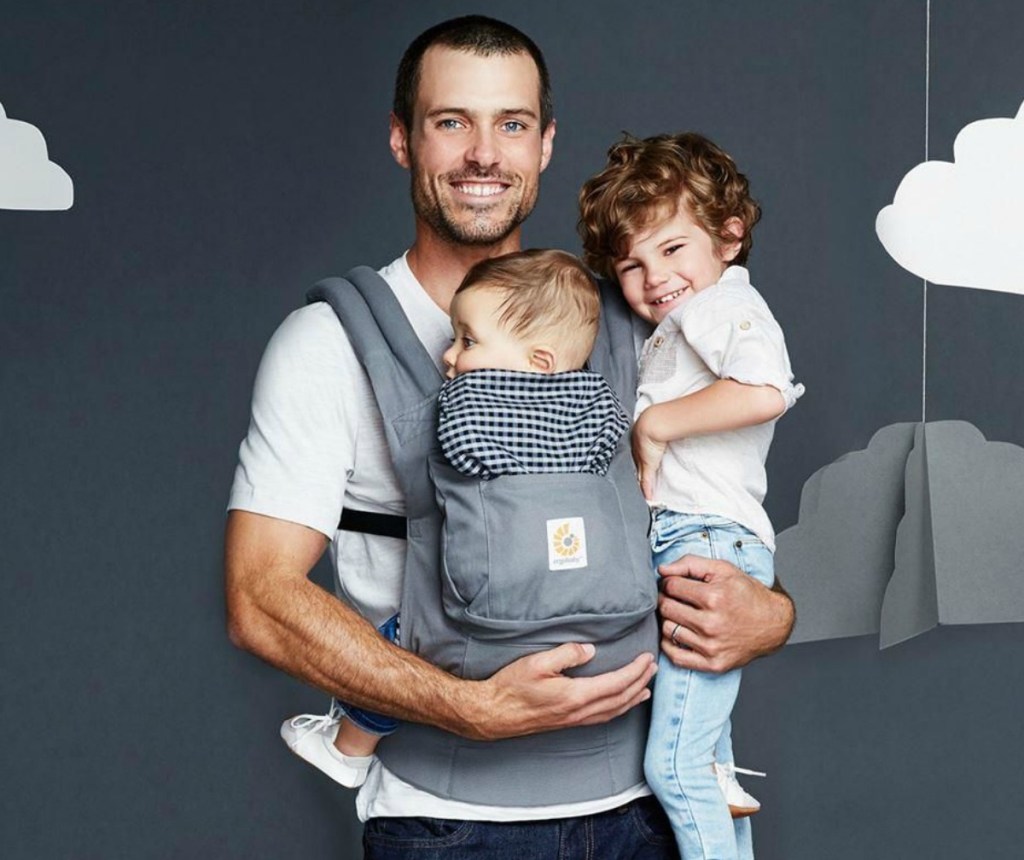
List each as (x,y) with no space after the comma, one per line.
(673,636)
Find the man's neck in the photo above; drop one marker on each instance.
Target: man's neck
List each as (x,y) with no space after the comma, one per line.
(440,266)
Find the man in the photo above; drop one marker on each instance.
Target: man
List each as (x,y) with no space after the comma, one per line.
(472,123)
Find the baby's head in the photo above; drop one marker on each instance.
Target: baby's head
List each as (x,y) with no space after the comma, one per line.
(532,310)
(666,217)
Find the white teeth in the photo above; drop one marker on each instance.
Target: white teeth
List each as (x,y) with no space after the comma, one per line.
(477,190)
(669,297)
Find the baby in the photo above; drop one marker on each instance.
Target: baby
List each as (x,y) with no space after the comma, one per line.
(517,402)
(670,218)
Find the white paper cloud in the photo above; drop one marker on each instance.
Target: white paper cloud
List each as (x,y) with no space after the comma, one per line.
(958,224)
(28,179)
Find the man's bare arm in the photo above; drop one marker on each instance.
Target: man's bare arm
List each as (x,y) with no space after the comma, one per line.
(720,617)
(278,614)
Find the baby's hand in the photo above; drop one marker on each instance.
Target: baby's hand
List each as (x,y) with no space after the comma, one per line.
(647,453)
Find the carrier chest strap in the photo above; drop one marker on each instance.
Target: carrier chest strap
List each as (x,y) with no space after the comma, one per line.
(371,523)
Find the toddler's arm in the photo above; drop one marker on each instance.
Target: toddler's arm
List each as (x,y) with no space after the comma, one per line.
(723,405)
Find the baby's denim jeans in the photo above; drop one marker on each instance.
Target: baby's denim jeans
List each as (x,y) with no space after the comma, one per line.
(368,721)
(690,721)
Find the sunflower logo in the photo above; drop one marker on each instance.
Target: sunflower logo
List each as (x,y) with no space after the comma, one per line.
(565,542)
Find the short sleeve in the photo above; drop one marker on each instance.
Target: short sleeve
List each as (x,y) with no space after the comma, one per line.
(298,454)
(736,336)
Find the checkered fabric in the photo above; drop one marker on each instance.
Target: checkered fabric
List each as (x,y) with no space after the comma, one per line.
(507,422)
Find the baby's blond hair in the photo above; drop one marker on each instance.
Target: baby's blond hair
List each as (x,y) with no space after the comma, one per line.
(546,294)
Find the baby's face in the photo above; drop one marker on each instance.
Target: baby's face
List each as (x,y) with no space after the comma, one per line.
(480,341)
(668,264)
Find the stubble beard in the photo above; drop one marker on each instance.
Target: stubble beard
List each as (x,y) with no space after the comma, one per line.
(484,226)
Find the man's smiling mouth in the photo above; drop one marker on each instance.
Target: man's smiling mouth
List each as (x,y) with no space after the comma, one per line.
(479,189)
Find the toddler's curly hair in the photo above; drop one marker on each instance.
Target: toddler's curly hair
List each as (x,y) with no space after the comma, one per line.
(646,180)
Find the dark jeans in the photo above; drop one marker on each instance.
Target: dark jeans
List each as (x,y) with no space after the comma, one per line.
(636,831)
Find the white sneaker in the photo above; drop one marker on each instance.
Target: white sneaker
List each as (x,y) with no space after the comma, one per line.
(311,736)
(741,804)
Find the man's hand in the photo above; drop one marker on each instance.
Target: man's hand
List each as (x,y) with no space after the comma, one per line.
(647,452)
(715,618)
(533,695)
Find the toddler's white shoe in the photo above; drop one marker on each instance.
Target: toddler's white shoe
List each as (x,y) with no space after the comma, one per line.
(741,803)
(311,736)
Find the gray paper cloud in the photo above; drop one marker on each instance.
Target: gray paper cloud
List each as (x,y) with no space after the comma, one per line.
(960,547)
(28,179)
(836,561)
(924,527)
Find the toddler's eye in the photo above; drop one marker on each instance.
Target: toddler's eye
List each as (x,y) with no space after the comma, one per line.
(468,343)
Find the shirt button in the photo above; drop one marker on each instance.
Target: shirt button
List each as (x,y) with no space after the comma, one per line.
(744,325)
(658,341)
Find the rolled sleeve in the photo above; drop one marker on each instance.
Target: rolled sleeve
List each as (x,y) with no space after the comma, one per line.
(741,340)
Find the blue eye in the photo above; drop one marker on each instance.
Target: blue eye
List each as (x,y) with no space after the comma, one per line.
(513,126)
(449,124)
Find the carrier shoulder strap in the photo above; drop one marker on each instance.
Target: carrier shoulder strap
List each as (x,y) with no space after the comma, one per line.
(381,336)
(401,372)
(614,354)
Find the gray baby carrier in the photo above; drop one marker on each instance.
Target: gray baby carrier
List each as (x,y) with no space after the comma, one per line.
(499,569)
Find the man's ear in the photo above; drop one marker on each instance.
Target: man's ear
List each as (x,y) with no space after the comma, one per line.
(728,250)
(547,140)
(399,141)
(542,358)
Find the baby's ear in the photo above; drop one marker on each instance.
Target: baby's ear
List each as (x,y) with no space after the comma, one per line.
(732,238)
(542,359)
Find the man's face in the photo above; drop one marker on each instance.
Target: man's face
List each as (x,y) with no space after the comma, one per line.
(476,149)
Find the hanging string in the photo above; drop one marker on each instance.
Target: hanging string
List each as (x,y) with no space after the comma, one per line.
(924,287)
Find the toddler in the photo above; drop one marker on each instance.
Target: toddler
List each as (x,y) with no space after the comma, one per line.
(517,402)
(670,218)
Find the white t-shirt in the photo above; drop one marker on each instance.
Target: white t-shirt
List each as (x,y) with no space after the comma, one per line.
(315,444)
(723,332)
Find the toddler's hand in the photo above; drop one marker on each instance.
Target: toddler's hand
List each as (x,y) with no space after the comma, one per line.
(647,453)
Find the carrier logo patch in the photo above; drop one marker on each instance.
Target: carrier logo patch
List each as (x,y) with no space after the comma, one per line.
(567,544)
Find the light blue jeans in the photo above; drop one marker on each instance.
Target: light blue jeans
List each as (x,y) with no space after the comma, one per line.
(690,726)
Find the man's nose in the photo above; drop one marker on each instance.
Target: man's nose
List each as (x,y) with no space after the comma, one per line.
(484,149)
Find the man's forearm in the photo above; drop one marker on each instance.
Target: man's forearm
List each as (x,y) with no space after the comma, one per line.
(786,616)
(275,612)
(279,615)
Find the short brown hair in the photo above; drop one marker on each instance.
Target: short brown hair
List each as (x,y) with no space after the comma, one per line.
(546,293)
(473,34)
(645,180)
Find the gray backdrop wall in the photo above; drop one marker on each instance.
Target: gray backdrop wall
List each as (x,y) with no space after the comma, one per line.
(225,156)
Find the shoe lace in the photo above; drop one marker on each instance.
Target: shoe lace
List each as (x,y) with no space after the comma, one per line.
(307,723)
